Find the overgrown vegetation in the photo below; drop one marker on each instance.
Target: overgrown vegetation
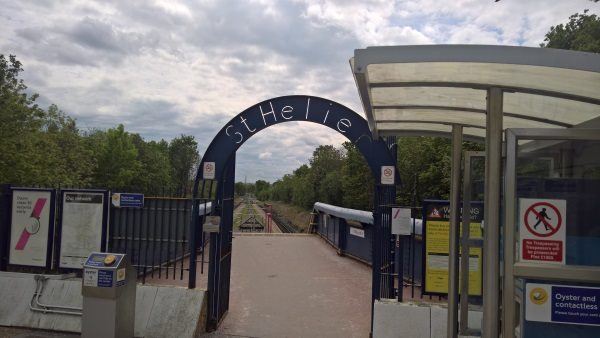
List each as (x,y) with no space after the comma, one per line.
(342,176)
(44,147)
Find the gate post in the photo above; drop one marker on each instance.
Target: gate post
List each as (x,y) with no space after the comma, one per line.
(219,267)
(384,196)
(193,242)
(5,202)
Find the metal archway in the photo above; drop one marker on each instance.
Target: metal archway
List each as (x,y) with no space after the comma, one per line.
(218,165)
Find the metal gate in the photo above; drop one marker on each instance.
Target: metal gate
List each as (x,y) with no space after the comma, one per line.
(218,165)
(155,237)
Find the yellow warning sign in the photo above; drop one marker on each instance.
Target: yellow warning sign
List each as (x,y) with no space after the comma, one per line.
(437,233)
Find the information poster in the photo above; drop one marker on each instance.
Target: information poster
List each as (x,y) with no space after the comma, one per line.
(82,225)
(31,227)
(437,234)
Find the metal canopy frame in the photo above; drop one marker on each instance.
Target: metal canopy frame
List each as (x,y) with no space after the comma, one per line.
(558,72)
(430,90)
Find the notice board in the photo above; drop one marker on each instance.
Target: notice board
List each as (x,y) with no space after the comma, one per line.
(436,235)
(31,227)
(83,220)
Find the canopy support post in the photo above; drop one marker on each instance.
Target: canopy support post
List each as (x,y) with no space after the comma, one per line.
(491,234)
(452,327)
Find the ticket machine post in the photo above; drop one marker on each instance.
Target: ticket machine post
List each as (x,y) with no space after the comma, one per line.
(109,287)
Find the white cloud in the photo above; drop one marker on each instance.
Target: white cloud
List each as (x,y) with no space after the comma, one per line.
(266,155)
(169,67)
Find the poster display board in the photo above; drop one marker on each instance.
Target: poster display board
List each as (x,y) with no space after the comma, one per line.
(436,232)
(31,227)
(83,220)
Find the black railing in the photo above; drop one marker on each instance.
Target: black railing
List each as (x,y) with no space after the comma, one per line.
(155,237)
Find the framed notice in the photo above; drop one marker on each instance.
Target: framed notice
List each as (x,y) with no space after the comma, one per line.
(31,227)
(436,249)
(82,226)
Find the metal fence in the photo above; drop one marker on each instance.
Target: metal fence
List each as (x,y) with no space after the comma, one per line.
(155,237)
(355,239)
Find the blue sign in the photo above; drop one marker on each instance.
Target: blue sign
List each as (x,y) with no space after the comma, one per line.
(127,200)
(105,278)
(562,304)
(576,305)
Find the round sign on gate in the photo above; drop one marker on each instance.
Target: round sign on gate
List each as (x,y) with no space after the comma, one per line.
(387,174)
(542,219)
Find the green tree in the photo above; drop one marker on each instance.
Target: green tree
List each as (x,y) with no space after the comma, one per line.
(20,122)
(60,157)
(302,191)
(326,159)
(581,33)
(357,180)
(155,166)
(117,161)
(183,152)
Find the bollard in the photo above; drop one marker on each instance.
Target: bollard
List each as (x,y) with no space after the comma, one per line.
(109,286)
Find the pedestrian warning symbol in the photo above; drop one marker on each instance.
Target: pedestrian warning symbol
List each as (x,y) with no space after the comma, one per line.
(542,230)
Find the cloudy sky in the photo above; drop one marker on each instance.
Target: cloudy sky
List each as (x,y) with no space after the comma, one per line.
(166,67)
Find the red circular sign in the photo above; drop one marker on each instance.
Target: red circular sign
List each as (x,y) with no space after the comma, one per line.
(208,167)
(387,172)
(542,219)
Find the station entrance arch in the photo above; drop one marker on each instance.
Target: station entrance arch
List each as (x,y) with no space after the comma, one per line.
(216,177)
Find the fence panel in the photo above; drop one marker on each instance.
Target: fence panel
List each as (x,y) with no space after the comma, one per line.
(155,236)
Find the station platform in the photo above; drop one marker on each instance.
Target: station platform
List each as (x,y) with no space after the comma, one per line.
(292,285)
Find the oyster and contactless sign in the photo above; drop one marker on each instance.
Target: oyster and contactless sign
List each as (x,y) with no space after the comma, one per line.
(31,227)
(567,304)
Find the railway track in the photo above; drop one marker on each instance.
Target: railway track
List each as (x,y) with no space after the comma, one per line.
(284,225)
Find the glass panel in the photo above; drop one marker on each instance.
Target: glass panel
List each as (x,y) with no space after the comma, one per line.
(559,171)
(425,127)
(560,80)
(477,178)
(549,108)
(451,116)
(429,96)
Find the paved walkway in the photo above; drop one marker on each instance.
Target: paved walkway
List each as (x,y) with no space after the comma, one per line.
(295,286)
(292,285)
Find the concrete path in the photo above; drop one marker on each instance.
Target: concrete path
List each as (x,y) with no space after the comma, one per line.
(292,285)
(295,286)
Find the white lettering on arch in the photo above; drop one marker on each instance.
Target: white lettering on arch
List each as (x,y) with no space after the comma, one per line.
(241,137)
(287,109)
(343,123)
(272,112)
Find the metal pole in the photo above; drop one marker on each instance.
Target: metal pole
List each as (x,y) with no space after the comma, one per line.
(464,252)
(400,268)
(508,300)
(455,171)
(491,235)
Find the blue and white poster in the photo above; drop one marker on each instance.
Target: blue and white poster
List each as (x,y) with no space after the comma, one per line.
(562,304)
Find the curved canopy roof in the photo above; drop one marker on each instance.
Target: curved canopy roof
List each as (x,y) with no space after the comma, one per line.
(424,90)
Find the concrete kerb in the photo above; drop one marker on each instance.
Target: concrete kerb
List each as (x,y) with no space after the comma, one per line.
(161,311)
(414,320)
